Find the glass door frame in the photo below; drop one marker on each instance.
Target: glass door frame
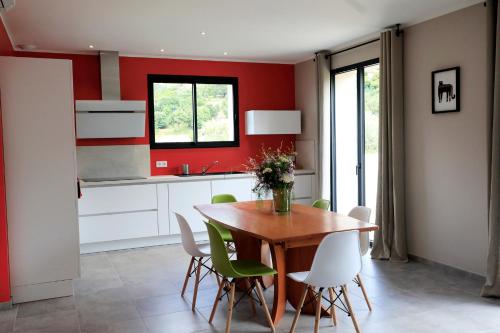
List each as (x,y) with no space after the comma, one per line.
(360,167)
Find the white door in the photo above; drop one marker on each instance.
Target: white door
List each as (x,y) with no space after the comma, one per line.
(182,197)
(40,174)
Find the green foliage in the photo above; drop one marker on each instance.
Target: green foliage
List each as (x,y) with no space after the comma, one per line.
(173,111)
(372,104)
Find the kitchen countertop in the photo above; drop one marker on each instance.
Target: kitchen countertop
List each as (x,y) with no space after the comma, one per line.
(175,179)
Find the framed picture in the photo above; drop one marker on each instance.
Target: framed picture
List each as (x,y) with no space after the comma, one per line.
(446,90)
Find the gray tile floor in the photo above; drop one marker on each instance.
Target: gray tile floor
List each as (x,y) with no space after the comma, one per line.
(138,291)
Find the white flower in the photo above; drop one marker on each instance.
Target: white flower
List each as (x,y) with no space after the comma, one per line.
(267,170)
(287,178)
(284,159)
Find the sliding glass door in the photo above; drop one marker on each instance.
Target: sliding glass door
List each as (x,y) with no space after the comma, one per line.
(355,105)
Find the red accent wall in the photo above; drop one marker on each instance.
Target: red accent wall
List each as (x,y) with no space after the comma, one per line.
(5,50)
(261,86)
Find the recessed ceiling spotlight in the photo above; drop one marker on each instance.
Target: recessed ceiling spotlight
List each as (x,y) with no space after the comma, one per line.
(162,50)
(91,46)
(27,47)
(225,53)
(203,33)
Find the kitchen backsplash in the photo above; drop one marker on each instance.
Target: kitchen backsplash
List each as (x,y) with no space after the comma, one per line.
(113,161)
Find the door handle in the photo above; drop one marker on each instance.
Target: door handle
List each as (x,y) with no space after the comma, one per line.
(358,169)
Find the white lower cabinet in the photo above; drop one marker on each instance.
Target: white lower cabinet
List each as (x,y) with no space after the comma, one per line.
(307,201)
(162,191)
(302,187)
(141,211)
(181,199)
(102,228)
(241,188)
(117,199)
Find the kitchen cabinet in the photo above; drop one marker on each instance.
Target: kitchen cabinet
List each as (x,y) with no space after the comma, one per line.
(118,212)
(182,197)
(116,199)
(163,209)
(241,188)
(132,214)
(102,228)
(267,122)
(302,187)
(40,176)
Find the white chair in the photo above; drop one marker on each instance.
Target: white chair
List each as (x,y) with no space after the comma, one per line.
(200,255)
(335,263)
(363,214)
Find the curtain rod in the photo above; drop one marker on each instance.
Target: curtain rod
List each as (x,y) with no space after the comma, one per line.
(396,27)
(352,47)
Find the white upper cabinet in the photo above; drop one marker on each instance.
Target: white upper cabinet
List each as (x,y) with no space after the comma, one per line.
(259,122)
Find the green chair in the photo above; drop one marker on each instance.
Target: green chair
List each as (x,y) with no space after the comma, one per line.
(247,270)
(223,198)
(322,204)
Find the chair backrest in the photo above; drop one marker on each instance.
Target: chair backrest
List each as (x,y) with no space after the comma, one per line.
(322,204)
(337,260)
(223,198)
(187,237)
(220,257)
(363,214)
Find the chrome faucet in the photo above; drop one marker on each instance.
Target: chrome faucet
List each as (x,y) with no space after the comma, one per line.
(204,169)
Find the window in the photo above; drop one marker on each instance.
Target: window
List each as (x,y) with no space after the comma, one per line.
(355,117)
(193,111)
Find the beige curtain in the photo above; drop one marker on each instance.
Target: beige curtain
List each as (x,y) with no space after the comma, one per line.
(390,239)
(492,285)
(325,160)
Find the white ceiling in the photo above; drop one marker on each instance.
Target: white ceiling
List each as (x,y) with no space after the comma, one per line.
(253,30)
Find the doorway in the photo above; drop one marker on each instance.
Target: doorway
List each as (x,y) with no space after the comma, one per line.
(355,126)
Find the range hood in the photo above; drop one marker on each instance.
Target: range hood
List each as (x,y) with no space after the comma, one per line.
(110,117)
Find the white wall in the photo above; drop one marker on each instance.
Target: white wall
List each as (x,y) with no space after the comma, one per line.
(306,100)
(446,157)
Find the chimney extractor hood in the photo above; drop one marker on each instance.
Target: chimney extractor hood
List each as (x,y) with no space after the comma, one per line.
(110,117)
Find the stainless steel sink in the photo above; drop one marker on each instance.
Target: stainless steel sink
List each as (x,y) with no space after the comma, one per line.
(213,173)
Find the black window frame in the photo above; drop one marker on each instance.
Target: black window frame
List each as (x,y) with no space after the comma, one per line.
(162,78)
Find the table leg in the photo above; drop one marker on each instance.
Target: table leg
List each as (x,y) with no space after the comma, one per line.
(266,259)
(279,303)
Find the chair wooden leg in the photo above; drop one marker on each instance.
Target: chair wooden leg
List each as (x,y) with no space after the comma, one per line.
(299,308)
(362,286)
(318,310)
(217,277)
(187,276)
(230,307)
(349,307)
(248,285)
(264,305)
(217,299)
(196,283)
(332,310)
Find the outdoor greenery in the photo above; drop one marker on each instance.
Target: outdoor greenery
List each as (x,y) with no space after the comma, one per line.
(173,112)
(372,76)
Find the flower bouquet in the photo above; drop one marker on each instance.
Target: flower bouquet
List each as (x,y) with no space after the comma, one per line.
(275,170)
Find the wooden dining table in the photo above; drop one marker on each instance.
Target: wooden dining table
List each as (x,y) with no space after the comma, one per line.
(292,239)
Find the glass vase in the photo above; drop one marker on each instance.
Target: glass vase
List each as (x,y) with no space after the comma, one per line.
(282,198)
